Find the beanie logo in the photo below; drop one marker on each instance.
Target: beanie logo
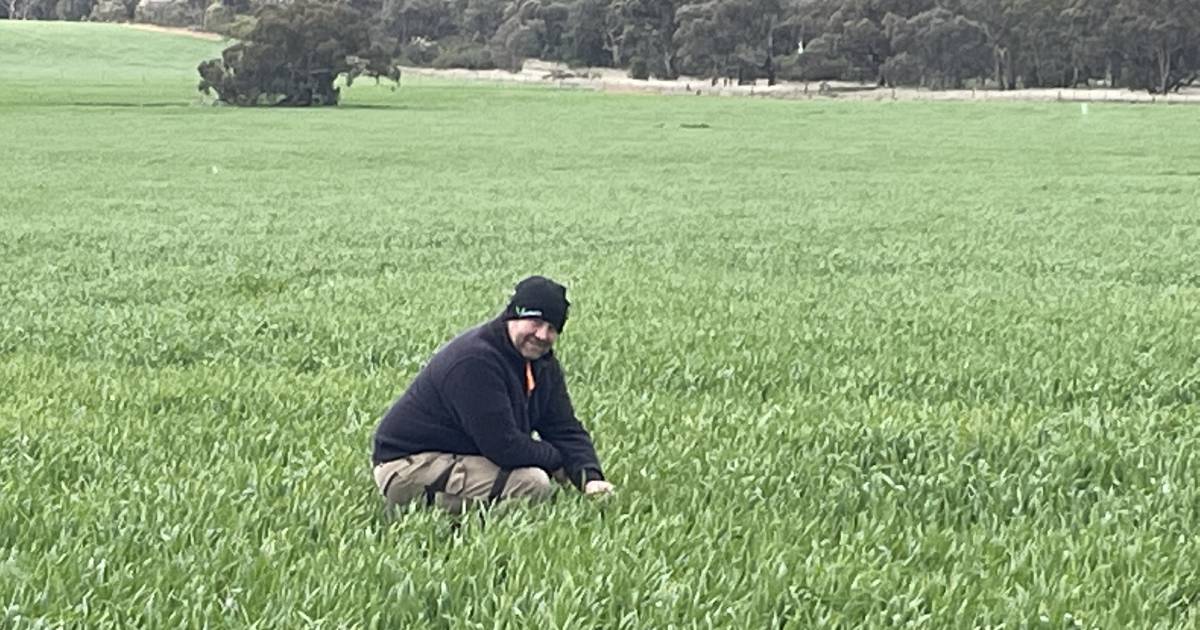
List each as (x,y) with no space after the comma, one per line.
(528,312)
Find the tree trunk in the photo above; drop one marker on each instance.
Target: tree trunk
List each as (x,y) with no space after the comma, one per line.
(666,39)
(613,47)
(770,65)
(1164,68)
(996,67)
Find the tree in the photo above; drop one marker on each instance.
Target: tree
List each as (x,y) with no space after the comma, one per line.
(1092,49)
(1159,41)
(113,11)
(848,39)
(705,48)
(614,31)
(405,20)
(583,43)
(521,35)
(947,47)
(480,19)
(73,10)
(754,23)
(555,17)
(859,48)
(642,33)
(999,22)
(1028,40)
(722,38)
(1047,50)
(35,10)
(294,54)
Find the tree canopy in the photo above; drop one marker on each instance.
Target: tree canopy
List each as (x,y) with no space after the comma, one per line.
(1149,45)
(294,54)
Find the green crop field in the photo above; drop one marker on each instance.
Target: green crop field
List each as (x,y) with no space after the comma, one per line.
(849,364)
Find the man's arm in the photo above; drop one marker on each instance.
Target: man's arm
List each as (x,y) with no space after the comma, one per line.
(476,393)
(559,426)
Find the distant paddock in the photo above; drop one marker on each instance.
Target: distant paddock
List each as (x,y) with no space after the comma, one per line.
(610,80)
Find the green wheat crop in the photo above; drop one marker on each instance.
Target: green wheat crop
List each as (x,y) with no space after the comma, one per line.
(849,364)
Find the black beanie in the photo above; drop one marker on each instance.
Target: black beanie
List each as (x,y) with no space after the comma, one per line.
(540,297)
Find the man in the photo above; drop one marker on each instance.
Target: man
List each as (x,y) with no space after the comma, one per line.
(462,432)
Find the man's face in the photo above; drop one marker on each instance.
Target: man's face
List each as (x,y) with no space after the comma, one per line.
(531,337)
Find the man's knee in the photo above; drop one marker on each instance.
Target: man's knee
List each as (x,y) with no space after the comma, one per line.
(531,483)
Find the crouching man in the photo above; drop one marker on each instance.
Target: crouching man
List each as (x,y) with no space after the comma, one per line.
(462,432)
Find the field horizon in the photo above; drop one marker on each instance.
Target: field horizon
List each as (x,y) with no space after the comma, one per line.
(862,364)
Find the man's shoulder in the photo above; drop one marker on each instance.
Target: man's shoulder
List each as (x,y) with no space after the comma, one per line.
(472,343)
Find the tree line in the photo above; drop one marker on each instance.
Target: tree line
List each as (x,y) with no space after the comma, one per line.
(1149,45)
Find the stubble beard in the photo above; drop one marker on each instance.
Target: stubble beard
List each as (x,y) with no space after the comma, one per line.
(533,350)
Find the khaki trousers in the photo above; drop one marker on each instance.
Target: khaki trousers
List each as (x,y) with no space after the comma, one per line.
(451,481)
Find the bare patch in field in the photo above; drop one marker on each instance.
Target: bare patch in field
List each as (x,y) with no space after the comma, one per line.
(611,80)
(187,32)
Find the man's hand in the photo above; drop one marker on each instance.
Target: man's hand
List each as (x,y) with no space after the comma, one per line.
(594,487)
(597,487)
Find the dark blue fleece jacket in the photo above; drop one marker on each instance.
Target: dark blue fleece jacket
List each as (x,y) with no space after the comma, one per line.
(472,399)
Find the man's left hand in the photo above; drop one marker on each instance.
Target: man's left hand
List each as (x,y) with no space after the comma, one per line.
(598,487)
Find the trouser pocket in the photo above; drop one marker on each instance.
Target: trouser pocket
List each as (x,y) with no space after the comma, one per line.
(432,478)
